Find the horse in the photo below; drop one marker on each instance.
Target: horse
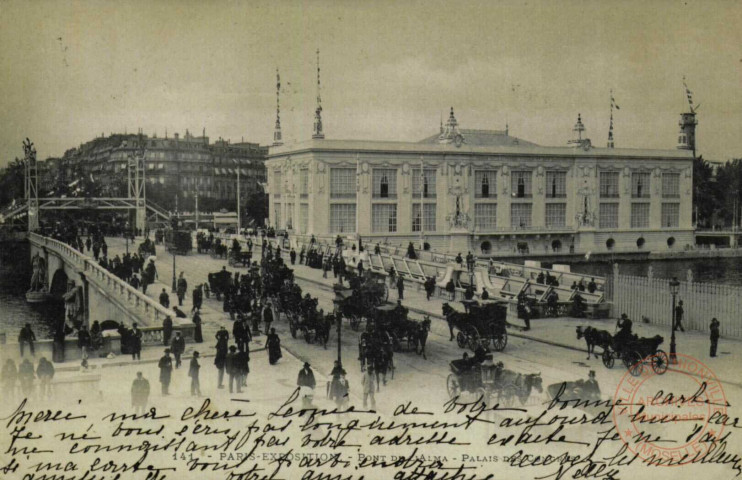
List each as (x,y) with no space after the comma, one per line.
(420,337)
(523,384)
(453,318)
(593,337)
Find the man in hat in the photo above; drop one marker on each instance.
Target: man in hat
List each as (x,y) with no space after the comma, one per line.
(305,381)
(164,299)
(267,316)
(592,390)
(233,370)
(26,336)
(139,393)
(624,332)
(679,316)
(182,288)
(193,372)
(178,347)
(714,336)
(166,369)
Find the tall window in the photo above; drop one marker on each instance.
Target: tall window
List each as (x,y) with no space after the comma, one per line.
(427,219)
(278,187)
(485,185)
(343,217)
(427,180)
(556,184)
(670,185)
(670,215)
(556,214)
(640,184)
(608,184)
(384,218)
(277,215)
(385,183)
(342,182)
(608,215)
(520,215)
(289,215)
(304,218)
(520,183)
(304,182)
(639,215)
(485,216)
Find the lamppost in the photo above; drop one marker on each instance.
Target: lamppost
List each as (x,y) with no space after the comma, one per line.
(341,294)
(173,247)
(674,287)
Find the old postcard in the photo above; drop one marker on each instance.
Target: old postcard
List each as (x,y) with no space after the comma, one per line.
(330,240)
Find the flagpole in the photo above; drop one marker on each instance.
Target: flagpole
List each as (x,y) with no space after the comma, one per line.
(358,189)
(422,207)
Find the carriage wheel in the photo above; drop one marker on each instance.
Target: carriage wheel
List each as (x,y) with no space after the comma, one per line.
(499,342)
(608,359)
(660,362)
(453,386)
(473,337)
(355,323)
(506,396)
(461,339)
(634,363)
(292,327)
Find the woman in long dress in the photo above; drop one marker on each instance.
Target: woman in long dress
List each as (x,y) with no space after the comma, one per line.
(274,347)
(198,336)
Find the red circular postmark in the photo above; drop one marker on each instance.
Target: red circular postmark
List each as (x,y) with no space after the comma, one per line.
(671,417)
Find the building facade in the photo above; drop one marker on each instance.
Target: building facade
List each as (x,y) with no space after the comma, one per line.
(485,191)
(177,166)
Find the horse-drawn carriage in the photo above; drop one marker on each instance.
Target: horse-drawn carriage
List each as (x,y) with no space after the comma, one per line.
(239,257)
(401,330)
(368,292)
(635,352)
(483,324)
(490,380)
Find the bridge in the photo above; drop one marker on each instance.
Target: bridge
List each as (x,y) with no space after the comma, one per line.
(32,205)
(724,237)
(100,294)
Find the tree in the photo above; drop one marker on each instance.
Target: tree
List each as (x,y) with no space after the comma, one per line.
(12,178)
(256,206)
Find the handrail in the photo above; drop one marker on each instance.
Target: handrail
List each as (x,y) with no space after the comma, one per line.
(132,298)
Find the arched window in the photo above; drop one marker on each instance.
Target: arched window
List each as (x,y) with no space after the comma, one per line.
(640,242)
(610,243)
(485,187)
(384,187)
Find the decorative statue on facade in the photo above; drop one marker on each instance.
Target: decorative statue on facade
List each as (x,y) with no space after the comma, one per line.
(585,218)
(459,219)
(73,304)
(38,277)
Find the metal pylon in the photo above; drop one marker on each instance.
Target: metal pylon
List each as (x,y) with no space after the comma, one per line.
(32,184)
(137,186)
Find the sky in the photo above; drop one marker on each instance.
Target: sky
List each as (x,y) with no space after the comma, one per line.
(71,71)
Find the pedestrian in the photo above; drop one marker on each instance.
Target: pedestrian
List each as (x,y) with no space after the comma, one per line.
(591,287)
(193,371)
(9,377)
(238,332)
(527,316)
(306,382)
(197,298)
(369,387)
(25,377)
(198,335)
(679,316)
(243,365)
(459,259)
(392,277)
(139,393)
(714,336)
(274,347)
(267,316)
(166,369)
(231,366)
(134,282)
(26,336)
(339,387)
(222,337)
(400,287)
(292,255)
(164,299)
(135,342)
(470,262)
(377,249)
(83,339)
(178,347)
(45,372)
(360,268)
(182,288)
(167,330)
